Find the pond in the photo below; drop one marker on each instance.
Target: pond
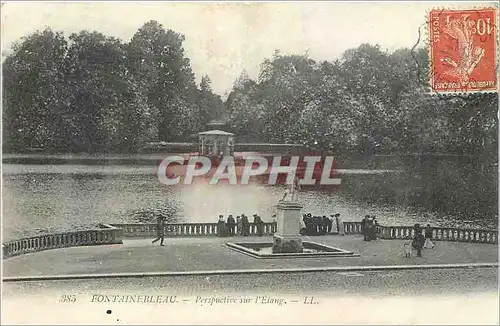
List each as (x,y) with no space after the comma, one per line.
(47,198)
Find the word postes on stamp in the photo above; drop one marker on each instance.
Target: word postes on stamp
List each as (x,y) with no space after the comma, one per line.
(463,50)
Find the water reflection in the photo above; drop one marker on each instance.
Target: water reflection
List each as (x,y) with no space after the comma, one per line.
(40,199)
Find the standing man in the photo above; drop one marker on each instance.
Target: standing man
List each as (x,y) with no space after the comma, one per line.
(365,227)
(160,229)
(238,225)
(329,224)
(245,225)
(428,237)
(230,224)
(260,225)
(375,228)
(340,224)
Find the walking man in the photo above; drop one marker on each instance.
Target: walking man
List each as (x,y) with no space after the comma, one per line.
(160,229)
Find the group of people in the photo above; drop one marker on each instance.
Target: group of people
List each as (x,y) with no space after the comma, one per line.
(369,227)
(239,226)
(320,225)
(314,225)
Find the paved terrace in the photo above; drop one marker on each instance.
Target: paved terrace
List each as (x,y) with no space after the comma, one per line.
(197,254)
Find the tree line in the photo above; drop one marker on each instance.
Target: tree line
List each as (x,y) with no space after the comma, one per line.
(94,93)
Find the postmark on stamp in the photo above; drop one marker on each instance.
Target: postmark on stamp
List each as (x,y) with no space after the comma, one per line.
(463,50)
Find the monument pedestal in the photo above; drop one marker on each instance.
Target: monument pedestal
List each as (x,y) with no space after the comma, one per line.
(287,238)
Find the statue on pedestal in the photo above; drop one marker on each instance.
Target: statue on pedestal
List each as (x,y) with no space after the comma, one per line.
(287,238)
(290,194)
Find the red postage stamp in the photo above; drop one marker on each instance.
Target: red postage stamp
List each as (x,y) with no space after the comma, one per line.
(463,50)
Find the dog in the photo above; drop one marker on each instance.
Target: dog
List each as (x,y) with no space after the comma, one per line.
(407,248)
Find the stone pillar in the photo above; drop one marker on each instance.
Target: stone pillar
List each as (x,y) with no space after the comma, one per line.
(287,238)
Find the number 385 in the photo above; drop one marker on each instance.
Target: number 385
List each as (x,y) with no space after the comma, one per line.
(67,298)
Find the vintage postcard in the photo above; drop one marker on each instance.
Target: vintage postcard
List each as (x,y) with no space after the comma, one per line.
(249,163)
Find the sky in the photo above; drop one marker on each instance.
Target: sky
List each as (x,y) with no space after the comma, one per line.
(223,39)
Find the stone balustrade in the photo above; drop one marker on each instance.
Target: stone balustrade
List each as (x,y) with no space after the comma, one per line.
(352,227)
(114,234)
(142,230)
(438,233)
(105,234)
(442,234)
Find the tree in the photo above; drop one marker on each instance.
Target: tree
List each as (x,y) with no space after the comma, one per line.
(210,105)
(34,89)
(157,60)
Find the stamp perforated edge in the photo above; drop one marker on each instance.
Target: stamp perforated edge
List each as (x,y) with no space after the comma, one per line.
(430,90)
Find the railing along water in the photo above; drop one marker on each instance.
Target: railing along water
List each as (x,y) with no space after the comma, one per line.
(442,234)
(438,233)
(114,234)
(143,230)
(105,234)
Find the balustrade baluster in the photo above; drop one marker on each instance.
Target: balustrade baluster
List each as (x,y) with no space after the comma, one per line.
(105,235)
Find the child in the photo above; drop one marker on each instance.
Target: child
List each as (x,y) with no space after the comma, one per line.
(407,248)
